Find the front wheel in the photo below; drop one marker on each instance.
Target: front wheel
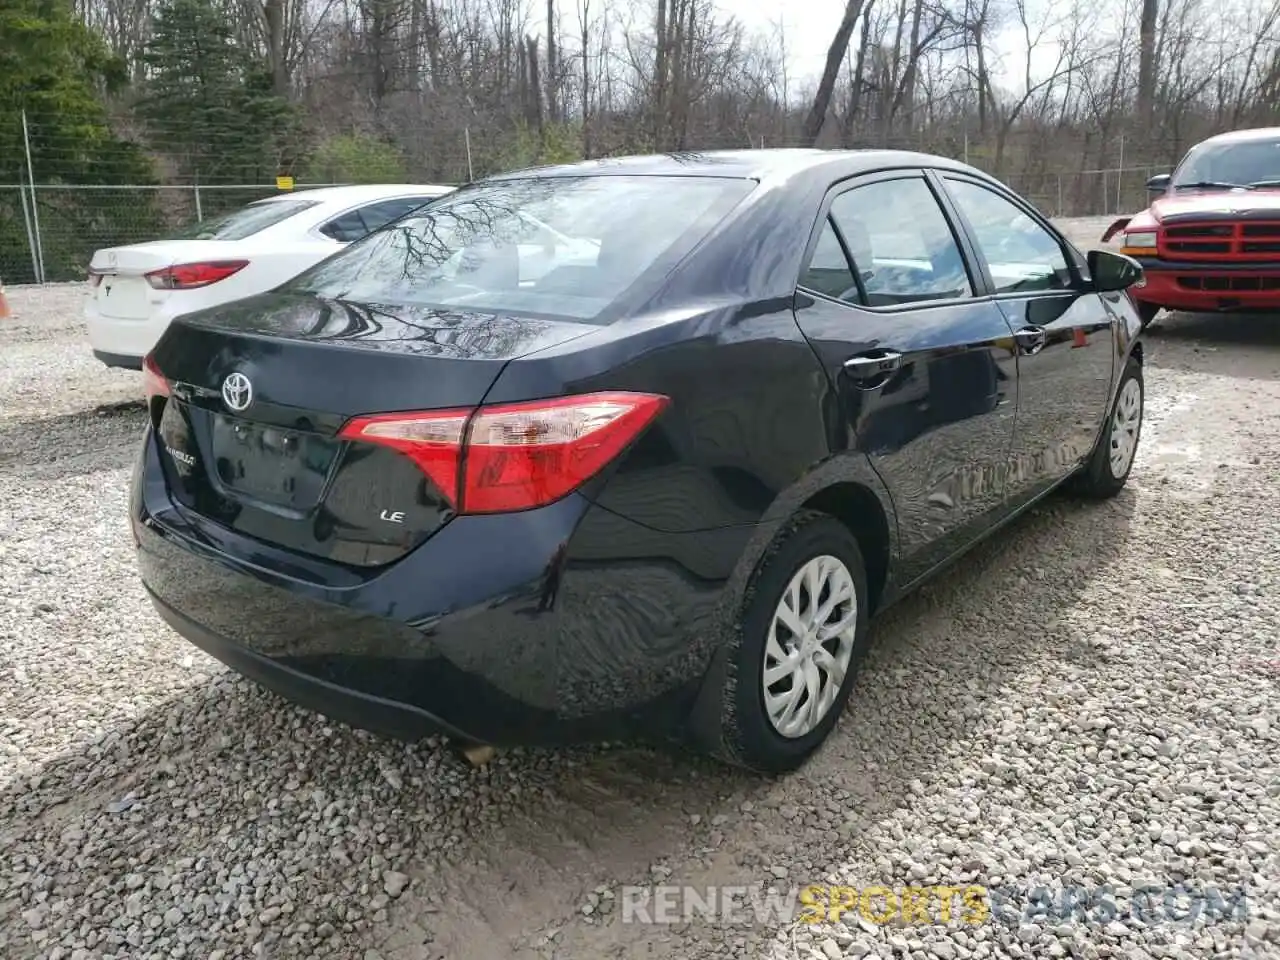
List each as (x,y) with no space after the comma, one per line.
(1112,460)
(791,660)
(1147,313)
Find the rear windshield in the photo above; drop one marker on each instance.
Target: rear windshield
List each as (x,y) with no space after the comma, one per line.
(246,221)
(565,247)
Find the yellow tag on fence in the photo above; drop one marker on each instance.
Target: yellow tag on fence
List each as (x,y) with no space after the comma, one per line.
(284,183)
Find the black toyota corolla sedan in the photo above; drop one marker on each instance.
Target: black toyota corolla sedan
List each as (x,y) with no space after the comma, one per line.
(628,446)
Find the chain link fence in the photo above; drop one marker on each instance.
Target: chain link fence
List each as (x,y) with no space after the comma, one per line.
(1088,193)
(48,233)
(50,230)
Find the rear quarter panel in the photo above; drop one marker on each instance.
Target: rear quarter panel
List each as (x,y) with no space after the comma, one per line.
(270,265)
(753,431)
(745,419)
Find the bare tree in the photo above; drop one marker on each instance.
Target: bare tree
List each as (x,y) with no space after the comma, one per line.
(826,86)
(449,86)
(1147,61)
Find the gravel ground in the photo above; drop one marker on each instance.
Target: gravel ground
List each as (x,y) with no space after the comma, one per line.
(1090,700)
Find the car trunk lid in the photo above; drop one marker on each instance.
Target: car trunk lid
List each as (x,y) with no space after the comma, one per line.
(260,388)
(118,274)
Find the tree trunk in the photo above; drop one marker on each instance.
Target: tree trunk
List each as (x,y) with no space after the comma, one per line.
(913,68)
(273,16)
(585,25)
(658,106)
(415,46)
(1147,62)
(551,74)
(433,45)
(535,86)
(857,84)
(835,54)
(983,80)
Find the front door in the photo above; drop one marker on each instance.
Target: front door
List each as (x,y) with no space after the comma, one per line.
(1066,337)
(922,368)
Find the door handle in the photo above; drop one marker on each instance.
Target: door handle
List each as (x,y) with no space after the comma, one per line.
(873,363)
(1031,339)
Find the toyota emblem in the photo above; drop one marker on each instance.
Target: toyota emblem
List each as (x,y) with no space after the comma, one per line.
(237,392)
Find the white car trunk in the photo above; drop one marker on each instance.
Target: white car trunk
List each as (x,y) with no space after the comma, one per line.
(123,292)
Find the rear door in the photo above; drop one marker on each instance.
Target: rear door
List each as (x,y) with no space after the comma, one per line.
(921,361)
(1066,337)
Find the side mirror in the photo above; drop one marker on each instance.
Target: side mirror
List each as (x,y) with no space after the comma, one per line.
(1159,183)
(1113,271)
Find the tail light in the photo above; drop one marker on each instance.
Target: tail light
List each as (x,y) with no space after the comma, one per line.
(188,276)
(506,457)
(154,383)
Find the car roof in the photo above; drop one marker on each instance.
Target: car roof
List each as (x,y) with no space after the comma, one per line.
(361,192)
(1244,136)
(763,164)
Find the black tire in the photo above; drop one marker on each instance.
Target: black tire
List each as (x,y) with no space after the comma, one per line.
(1097,479)
(1147,313)
(735,725)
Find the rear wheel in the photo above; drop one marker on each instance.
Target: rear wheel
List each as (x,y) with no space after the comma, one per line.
(794,651)
(1112,460)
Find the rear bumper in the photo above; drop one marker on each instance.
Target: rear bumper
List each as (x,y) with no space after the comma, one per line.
(559,624)
(1209,287)
(366,711)
(119,360)
(114,338)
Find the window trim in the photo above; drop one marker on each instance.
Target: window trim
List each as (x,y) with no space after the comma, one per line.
(417,198)
(328,224)
(979,281)
(316,230)
(854,273)
(1064,248)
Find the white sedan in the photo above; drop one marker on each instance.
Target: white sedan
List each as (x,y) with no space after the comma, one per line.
(136,290)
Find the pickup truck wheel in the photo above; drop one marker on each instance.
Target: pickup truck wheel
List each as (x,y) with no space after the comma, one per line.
(1147,313)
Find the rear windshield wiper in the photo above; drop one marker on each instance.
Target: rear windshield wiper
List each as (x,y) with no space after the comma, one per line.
(1265,183)
(1211,185)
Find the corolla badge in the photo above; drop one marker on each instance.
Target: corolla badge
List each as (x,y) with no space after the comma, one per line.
(183,458)
(237,392)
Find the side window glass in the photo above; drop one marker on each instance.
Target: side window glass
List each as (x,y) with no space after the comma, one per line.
(1021,255)
(828,271)
(346,227)
(380,214)
(901,243)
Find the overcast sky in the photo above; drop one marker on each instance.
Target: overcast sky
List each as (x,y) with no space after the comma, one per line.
(810,26)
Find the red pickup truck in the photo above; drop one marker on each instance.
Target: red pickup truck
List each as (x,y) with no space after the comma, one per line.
(1210,241)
